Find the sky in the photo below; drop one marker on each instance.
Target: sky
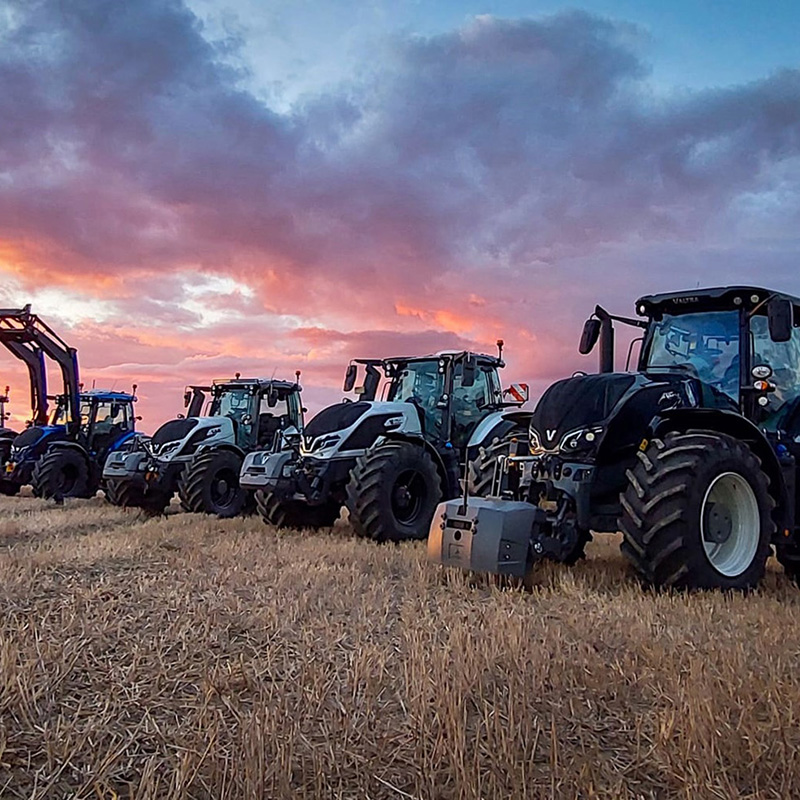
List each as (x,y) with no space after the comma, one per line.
(192,189)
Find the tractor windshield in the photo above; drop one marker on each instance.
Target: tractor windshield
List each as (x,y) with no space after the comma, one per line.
(707,344)
(233,403)
(418,380)
(237,403)
(61,413)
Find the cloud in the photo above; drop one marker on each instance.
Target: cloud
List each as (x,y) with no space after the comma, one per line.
(492,181)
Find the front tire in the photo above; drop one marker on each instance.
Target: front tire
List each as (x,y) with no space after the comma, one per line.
(8,488)
(697,513)
(127,494)
(210,484)
(294,514)
(393,492)
(61,473)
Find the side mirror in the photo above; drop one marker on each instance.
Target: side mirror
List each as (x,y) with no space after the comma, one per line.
(589,337)
(187,398)
(350,378)
(468,374)
(780,316)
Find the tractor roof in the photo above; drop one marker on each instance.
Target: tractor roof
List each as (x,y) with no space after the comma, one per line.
(101,395)
(261,383)
(719,298)
(451,354)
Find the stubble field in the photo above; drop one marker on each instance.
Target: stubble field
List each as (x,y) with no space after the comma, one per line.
(188,657)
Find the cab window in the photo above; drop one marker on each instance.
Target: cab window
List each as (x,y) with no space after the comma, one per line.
(783,358)
(109,414)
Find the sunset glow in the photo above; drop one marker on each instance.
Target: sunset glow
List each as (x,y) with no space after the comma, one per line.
(182,200)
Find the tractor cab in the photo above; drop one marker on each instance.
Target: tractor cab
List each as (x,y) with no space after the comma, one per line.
(106,418)
(742,342)
(452,391)
(260,409)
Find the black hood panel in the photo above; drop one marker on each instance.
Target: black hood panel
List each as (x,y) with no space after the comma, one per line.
(29,436)
(578,402)
(335,418)
(173,431)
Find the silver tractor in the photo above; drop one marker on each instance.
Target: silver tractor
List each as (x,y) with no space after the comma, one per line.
(389,461)
(200,456)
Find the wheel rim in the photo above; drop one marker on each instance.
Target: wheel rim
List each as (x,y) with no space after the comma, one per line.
(730,524)
(408,496)
(224,488)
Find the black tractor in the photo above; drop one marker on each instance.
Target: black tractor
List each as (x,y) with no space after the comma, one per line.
(692,457)
(389,461)
(60,455)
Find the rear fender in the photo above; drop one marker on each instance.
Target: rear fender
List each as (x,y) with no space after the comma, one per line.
(232,448)
(69,446)
(739,427)
(496,426)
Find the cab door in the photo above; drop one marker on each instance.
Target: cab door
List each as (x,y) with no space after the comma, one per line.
(470,404)
(110,421)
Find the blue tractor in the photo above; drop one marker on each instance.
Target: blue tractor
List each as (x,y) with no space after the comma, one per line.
(60,455)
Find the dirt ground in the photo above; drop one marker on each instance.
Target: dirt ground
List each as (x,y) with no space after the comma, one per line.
(189,657)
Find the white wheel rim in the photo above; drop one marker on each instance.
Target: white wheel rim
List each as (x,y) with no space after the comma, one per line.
(730,510)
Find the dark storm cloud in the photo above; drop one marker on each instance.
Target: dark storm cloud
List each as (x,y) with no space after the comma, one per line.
(125,141)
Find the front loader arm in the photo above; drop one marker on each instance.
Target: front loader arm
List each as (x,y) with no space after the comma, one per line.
(20,330)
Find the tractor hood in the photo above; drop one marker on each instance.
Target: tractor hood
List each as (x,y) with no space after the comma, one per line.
(36,434)
(578,402)
(183,436)
(335,418)
(593,404)
(347,428)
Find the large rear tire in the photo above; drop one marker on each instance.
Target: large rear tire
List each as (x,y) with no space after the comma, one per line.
(697,513)
(61,473)
(393,492)
(210,484)
(482,472)
(294,514)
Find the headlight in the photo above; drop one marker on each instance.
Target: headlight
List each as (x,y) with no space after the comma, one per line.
(288,470)
(158,451)
(326,442)
(579,440)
